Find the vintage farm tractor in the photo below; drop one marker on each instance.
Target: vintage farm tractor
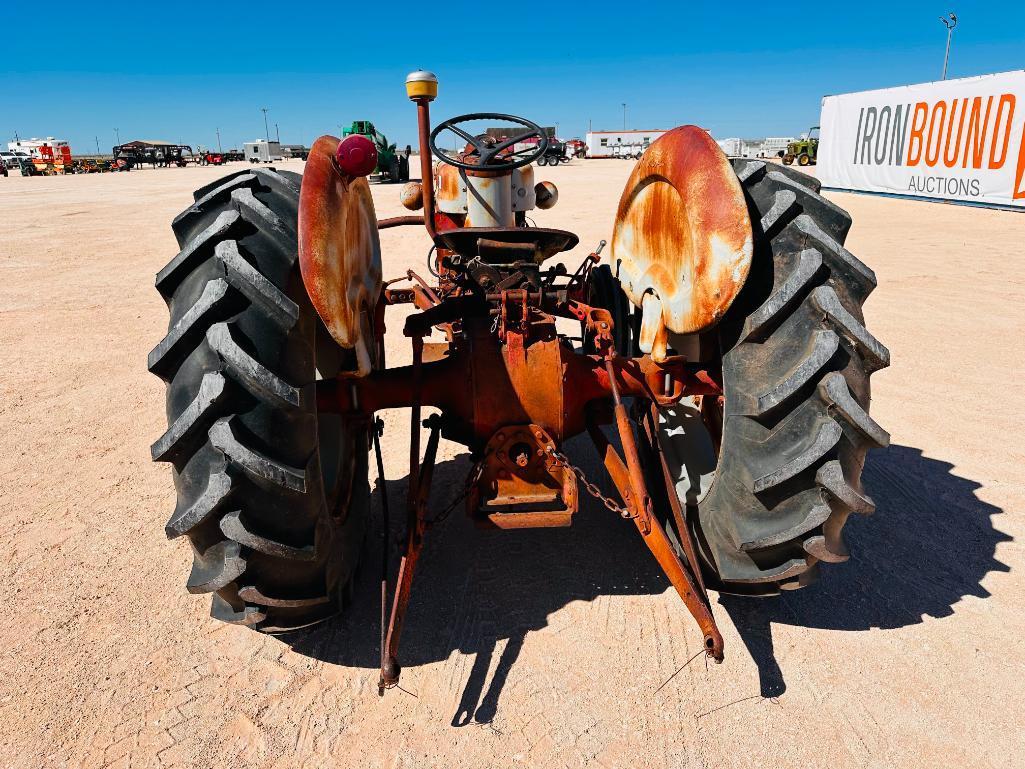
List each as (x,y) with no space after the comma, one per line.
(804,150)
(721,369)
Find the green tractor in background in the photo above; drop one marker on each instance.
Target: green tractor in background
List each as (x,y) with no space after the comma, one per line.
(391,166)
(805,149)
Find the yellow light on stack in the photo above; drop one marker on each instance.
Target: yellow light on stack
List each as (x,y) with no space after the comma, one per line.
(422,84)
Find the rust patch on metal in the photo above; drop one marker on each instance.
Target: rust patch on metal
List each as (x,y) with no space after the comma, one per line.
(449,185)
(339,251)
(682,234)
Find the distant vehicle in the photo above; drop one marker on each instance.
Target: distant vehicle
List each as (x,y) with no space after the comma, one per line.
(28,167)
(805,150)
(263,151)
(628,151)
(556,153)
(90,166)
(211,159)
(155,153)
(576,148)
(295,151)
(12,159)
(232,155)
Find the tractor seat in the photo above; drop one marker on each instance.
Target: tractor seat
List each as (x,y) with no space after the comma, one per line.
(502,245)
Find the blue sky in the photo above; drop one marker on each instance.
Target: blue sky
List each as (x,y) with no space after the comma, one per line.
(737,68)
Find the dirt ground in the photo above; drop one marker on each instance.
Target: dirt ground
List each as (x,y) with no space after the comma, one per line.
(534,649)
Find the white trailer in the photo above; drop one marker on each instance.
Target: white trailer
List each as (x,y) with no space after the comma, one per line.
(31,147)
(754,148)
(263,151)
(602,144)
(775,146)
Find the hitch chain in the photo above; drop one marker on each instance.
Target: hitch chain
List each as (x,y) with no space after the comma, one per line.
(591,488)
(471,479)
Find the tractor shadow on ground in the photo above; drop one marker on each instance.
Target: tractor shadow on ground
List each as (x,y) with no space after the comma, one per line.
(480,592)
(929,544)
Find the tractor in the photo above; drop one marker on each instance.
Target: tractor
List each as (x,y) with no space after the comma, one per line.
(392,165)
(721,370)
(805,150)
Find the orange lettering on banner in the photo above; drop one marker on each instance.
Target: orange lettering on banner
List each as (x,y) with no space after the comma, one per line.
(930,156)
(955,145)
(1019,189)
(1007,98)
(915,137)
(976,137)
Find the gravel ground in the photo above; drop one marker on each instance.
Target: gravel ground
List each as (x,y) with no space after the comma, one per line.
(537,648)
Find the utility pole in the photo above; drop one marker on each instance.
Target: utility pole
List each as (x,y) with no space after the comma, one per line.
(266,129)
(218,140)
(949,21)
(624,116)
(97,139)
(277,133)
(117,133)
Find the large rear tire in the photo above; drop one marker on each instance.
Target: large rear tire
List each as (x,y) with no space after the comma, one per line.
(272,496)
(769,506)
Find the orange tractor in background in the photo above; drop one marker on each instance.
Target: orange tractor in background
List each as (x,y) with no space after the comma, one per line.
(721,368)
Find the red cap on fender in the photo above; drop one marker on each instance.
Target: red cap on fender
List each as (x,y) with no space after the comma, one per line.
(356,155)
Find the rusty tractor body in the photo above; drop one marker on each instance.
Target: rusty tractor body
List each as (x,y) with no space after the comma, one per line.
(665,378)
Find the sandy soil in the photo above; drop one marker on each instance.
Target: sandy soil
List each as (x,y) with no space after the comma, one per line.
(540,648)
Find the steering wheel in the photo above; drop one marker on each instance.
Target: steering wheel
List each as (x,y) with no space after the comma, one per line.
(487,149)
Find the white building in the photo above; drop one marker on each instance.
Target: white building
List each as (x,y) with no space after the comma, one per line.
(601,143)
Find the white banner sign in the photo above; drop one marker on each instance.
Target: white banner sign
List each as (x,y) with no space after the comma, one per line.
(960,140)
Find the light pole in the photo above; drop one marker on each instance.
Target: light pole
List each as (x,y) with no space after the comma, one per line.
(624,116)
(949,21)
(277,133)
(266,129)
(118,135)
(218,139)
(97,139)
